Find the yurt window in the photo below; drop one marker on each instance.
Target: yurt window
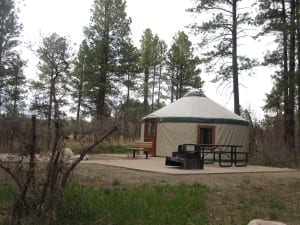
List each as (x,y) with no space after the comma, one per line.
(206,134)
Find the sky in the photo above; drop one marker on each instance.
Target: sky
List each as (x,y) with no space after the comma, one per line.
(163,17)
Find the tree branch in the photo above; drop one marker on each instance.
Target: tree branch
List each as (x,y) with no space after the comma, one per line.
(83,154)
(14,177)
(217,8)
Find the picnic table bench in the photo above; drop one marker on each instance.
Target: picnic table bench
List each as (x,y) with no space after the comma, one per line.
(146,147)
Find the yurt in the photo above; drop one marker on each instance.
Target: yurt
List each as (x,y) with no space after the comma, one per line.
(193,119)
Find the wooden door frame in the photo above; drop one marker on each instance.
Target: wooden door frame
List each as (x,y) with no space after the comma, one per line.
(146,122)
(212,127)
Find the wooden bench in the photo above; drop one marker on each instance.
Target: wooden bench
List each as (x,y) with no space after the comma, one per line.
(146,147)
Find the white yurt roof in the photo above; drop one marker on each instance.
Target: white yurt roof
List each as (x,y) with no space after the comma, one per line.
(195,107)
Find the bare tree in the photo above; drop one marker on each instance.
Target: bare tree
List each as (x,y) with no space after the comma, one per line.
(41,185)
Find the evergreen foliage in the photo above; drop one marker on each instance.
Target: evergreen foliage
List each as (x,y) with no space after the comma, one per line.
(281,19)
(106,36)
(11,73)
(148,61)
(226,25)
(54,65)
(182,64)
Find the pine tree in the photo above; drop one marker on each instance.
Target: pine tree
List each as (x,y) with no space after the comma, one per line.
(52,87)
(10,62)
(153,55)
(129,68)
(78,85)
(226,25)
(182,67)
(15,90)
(162,76)
(147,60)
(280,18)
(106,35)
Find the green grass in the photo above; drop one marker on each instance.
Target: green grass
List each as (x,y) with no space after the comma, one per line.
(7,197)
(101,148)
(7,193)
(112,149)
(165,204)
(156,205)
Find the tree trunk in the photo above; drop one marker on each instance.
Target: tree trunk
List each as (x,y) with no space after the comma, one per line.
(127,132)
(78,112)
(101,100)
(181,82)
(146,90)
(101,111)
(298,74)
(153,88)
(285,78)
(172,85)
(51,94)
(160,75)
(291,81)
(235,74)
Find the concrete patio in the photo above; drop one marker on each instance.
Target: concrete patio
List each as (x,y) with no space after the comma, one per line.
(157,164)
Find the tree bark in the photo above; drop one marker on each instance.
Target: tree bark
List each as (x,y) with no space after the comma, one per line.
(172,84)
(104,66)
(285,78)
(78,108)
(160,75)
(235,74)
(291,80)
(146,90)
(153,87)
(298,75)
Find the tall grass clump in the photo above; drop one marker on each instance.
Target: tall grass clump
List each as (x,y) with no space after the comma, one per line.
(161,204)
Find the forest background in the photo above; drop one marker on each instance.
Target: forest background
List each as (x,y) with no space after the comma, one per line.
(108,82)
(111,74)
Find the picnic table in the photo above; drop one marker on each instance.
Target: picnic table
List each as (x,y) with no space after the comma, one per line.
(194,156)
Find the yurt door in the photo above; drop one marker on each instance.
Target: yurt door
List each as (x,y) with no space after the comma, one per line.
(150,132)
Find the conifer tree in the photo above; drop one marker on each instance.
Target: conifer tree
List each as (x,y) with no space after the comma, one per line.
(52,88)
(11,76)
(182,67)
(78,83)
(281,19)
(221,33)
(106,35)
(146,61)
